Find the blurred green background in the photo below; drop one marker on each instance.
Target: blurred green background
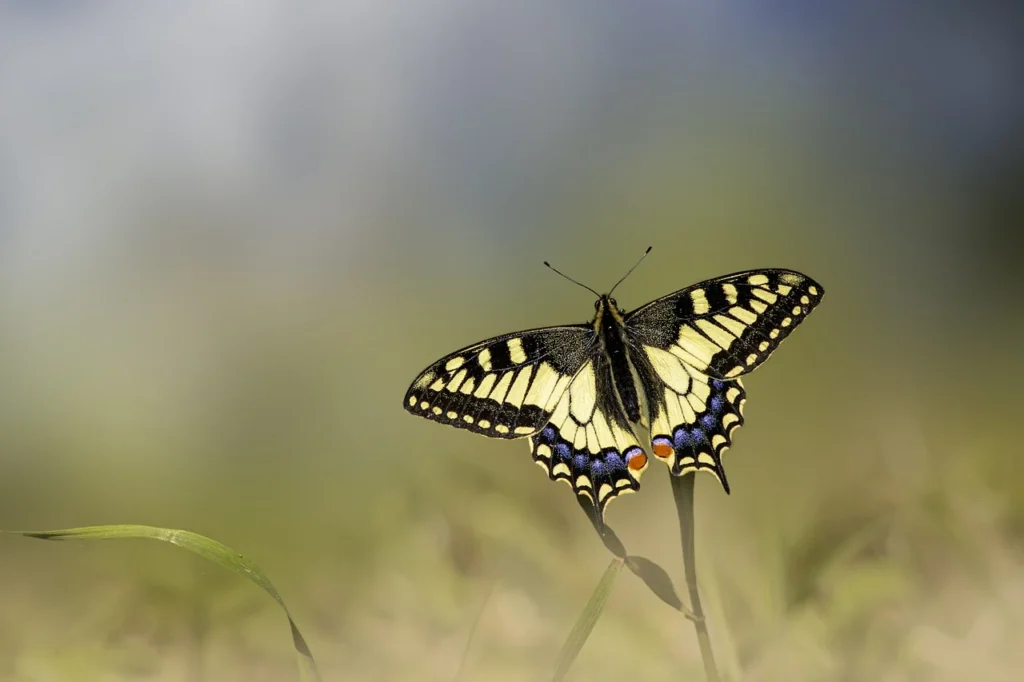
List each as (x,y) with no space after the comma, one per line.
(231,234)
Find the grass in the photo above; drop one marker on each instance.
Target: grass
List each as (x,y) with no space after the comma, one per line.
(653,575)
(209,549)
(919,580)
(682,493)
(853,547)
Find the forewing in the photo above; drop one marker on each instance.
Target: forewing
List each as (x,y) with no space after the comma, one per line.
(726,327)
(588,442)
(505,387)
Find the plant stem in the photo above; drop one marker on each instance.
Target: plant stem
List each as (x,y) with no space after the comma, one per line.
(682,491)
(587,620)
(472,630)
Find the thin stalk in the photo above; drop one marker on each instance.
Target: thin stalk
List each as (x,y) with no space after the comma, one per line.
(682,492)
(587,620)
(473,629)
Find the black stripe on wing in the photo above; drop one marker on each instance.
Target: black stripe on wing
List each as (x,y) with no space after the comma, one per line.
(505,387)
(727,327)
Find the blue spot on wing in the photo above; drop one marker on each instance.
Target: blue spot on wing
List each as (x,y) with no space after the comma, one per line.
(614,461)
(708,435)
(609,467)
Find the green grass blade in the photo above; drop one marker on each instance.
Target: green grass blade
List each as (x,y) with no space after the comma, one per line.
(586,621)
(205,547)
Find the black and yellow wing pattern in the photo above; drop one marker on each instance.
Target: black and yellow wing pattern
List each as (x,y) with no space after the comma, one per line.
(698,342)
(505,387)
(588,442)
(570,389)
(550,383)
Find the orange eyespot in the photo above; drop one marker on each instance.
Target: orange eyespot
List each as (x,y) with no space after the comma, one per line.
(663,450)
(638,461)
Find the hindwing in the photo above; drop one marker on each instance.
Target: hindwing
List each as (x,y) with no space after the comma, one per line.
(588,442)
(727,327)
(505,387)
(692,416)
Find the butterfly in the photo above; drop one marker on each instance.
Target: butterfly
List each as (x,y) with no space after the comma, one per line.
(580,392)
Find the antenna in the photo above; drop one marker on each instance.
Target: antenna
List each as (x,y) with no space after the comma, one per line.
(632,268)
(572,280)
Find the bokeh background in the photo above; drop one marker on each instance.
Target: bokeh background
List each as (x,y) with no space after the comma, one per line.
(231,233)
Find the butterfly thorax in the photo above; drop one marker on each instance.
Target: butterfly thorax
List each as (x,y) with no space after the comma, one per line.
(611,330)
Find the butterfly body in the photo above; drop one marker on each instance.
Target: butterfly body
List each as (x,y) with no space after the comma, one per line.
(610,329)
(580,392)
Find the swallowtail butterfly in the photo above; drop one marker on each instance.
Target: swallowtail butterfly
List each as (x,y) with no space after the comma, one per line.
(579,392)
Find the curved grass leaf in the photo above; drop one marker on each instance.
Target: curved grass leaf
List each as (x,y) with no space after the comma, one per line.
(586,621)
(205,547)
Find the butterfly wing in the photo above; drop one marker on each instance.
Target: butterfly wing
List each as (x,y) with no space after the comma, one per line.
(505,387)
(588,442)
(692,425)
(694,344)
(726,327)
(688,349)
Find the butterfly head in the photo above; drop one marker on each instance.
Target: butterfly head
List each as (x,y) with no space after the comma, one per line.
(606,302)
(607,314)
